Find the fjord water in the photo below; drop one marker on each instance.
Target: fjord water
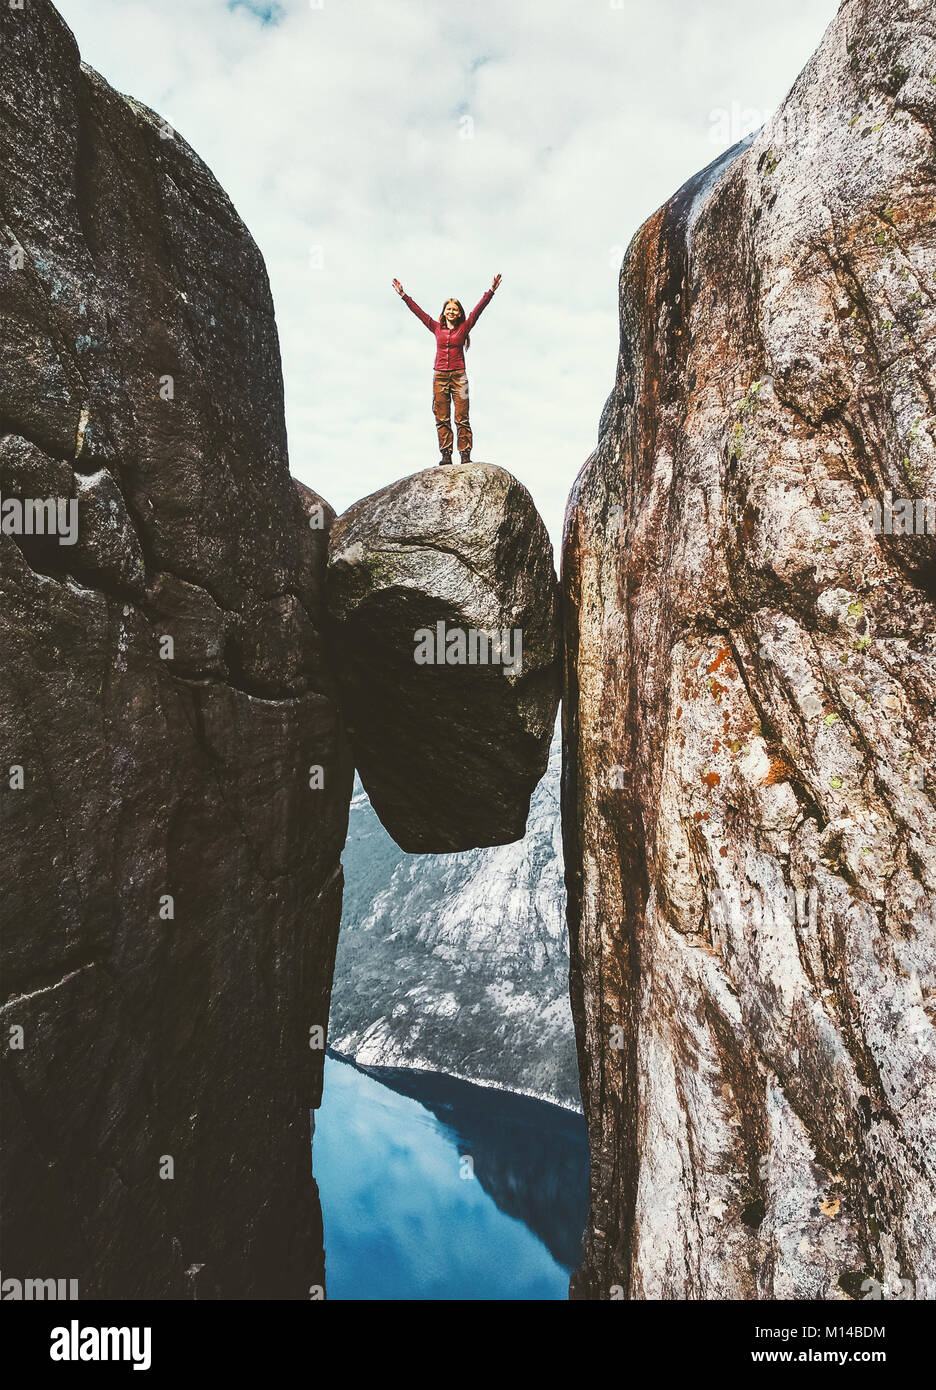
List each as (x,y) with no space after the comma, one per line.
(434,1188)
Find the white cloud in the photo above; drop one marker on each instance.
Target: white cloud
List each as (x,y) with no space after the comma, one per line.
(340,127)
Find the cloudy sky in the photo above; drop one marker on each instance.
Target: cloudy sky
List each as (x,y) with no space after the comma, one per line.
(440,143)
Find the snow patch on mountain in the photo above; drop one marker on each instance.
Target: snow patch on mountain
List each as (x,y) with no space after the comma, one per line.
(459,962)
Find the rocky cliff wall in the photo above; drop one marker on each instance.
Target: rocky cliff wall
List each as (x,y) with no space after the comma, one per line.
(175,784)
(750,838)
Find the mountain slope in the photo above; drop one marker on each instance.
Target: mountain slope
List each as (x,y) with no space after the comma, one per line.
(459,962)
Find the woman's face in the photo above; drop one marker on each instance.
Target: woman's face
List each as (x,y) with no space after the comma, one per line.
(450,313)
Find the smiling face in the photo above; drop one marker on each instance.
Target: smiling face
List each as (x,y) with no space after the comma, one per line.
(451,313)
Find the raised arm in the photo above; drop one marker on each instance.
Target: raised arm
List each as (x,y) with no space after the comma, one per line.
(414,307)
(481,305)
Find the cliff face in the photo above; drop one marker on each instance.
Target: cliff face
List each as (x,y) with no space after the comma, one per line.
(750,836)
(171,859)
(444,612)
(458,962)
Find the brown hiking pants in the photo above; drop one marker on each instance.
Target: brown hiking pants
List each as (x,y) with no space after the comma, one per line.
(446,388)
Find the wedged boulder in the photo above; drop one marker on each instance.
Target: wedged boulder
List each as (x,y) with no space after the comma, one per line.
(443,606)
(750,832)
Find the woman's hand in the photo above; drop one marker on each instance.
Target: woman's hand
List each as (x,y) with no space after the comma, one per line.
(497,281)
(399,288)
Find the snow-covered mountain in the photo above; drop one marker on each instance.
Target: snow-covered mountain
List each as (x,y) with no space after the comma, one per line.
(459,962)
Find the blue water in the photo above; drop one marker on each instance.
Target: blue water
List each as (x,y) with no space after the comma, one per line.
(407,1217)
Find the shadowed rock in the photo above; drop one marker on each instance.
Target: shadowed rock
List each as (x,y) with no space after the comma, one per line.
(171,877)
(448,745)
(748,800)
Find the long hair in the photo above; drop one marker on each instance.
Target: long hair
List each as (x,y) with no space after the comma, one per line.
(461,317)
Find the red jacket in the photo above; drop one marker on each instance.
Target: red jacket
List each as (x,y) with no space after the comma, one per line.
(449,355)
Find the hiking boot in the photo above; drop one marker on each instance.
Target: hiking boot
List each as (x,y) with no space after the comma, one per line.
(466,456)
(446,456)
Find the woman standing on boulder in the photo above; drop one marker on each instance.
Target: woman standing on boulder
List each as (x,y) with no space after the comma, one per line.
(449,379)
